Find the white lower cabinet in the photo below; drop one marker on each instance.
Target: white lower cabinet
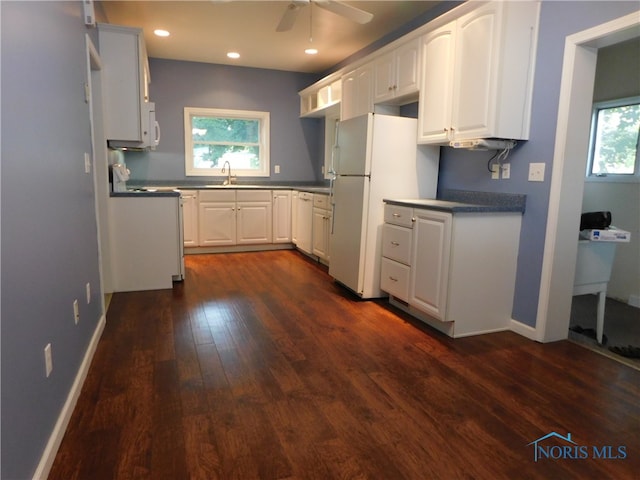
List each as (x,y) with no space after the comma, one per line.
(321,228)
(282,216)
(228,217)
(460,274)
(254,221)
(190,217)
(304,222)
(395,270)
(216,218)
(431,249)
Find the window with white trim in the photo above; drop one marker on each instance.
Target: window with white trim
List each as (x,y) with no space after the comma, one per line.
(615,131)
(216,136)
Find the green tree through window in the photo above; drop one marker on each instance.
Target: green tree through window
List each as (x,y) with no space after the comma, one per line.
(214,137)
(615,139)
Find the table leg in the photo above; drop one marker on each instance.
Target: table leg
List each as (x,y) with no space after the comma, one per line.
(602,298)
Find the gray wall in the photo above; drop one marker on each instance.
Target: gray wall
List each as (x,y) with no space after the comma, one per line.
(49,241)
(296,144)
(468,170)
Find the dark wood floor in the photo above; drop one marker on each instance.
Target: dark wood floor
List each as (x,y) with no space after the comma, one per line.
(259,366)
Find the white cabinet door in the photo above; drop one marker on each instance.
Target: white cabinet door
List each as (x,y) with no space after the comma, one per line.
(430,262)
(190,218)
(436,93)
(125,81)
(396,73)
(384,77)
(304,220)
(217,223)
(321,232)
(357,92)
(282,216)
(254,223)
(294,217)
(476,65)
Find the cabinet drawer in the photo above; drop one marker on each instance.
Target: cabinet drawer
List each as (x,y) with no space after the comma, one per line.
(253,195)
(217,195)
(394,279)
(398,215)
(396,243)
(321,201)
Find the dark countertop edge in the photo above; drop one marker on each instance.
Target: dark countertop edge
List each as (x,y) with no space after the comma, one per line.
(302,188)
(143,194)
(454,207)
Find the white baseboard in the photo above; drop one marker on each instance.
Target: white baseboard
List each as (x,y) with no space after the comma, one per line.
(524,330)
(50,451)
(634,301)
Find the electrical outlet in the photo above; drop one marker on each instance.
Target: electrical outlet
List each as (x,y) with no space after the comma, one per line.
(88,287)
(87,163)
(506,171)
(76,312)
(536,172)
(495,171)
(277,169)
(48,360)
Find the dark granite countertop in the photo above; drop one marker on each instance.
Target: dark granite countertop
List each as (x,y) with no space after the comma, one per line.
(164,186)
(463,201)
(138,193)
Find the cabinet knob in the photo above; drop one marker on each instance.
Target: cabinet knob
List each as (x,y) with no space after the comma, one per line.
(413,219)
(393,279)
(395,244)
(396,215)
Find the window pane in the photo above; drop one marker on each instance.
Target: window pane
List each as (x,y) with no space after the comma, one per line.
(215,129)
(214,156)
(616,140)
(216,136)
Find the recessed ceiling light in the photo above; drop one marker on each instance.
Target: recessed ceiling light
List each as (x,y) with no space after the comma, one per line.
(233,55)
(311,51)
(161,33)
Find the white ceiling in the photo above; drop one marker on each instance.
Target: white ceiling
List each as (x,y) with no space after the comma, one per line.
(205,30)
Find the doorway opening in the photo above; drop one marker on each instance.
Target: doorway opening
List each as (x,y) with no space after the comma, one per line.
(569,166)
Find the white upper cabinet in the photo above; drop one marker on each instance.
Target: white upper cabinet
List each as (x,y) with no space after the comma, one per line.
(357,96)
(396,74)
(478,74)
(436,92)
(125,84)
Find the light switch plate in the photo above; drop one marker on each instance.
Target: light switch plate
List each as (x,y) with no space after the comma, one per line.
(536,172)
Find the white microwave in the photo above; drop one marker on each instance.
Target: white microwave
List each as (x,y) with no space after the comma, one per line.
(150,131)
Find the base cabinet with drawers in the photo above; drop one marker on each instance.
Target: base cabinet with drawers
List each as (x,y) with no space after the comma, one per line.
(454,271)
(321,229)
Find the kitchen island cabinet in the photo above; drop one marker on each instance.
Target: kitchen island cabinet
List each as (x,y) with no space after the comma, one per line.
(145,233)
(460,275)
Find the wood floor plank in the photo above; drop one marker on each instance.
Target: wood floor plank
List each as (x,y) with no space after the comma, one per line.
(259,366)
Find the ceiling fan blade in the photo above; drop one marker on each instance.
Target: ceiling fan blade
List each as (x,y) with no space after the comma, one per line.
(288,18)
(344,10)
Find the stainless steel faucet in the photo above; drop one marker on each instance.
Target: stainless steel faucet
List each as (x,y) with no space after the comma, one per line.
(228,180)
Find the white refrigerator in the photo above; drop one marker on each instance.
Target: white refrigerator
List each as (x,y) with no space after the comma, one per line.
(375,157)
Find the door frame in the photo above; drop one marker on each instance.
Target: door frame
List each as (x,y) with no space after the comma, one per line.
(568,173)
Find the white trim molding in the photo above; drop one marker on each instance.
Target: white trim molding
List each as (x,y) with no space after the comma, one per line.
(51,449)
